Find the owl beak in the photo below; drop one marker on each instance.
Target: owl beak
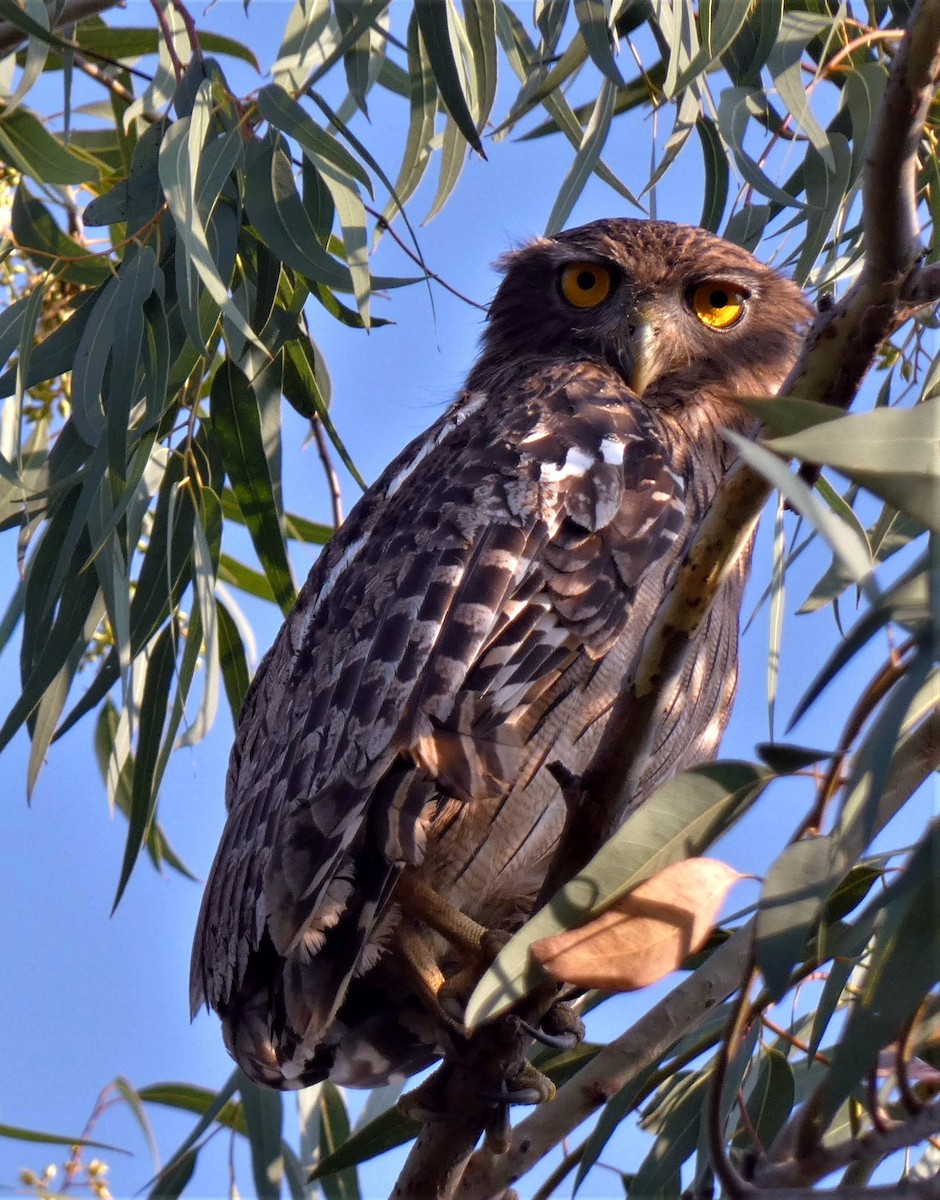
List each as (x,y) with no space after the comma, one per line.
(643,347)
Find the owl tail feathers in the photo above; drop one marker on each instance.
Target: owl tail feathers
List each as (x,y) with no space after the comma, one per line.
(281,1025)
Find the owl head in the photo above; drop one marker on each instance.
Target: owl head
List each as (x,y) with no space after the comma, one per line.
(674,310)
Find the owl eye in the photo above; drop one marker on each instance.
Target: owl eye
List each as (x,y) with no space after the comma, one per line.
(586,284)
(717,305)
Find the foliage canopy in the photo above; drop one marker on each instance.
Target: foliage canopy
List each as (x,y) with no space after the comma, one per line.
(143,377)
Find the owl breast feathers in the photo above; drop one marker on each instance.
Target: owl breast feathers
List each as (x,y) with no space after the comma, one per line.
(468,628)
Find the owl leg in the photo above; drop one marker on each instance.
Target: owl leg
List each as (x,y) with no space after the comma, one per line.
(420,900)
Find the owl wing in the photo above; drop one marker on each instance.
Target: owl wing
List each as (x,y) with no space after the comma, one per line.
(506,542)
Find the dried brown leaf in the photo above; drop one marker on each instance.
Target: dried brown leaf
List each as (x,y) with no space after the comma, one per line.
(645,934)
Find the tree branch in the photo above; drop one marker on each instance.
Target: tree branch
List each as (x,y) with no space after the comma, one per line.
(613,1067)
(73,11)
(870,1147)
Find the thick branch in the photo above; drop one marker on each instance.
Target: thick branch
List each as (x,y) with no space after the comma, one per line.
(889,194)
(844,340)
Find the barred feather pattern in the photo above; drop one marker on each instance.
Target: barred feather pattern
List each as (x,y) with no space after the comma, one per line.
(468,626)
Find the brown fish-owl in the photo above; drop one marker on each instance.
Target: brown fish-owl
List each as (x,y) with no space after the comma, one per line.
(468,628)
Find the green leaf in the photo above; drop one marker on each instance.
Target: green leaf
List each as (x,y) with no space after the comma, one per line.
(770,1101)
(334,1133)
(212,1106)
(208,533)
(678,1117)
(125,41)
(453,159)
(681,818)
(191,203)
(904,965)
(905,602)
(794,892)
(434,23)
(862,89)
(38,234)
(593,18)
(36,55)
(16,1133)
(716,174)
(614,1112)
(841,537)
(826,191)
(388,1130)
(784,63)
(751,48)
(236,426)
(422,112)
(285,114)
(586,159)
(264,1117)
(735,109)
(480,17)
(161,668)
(26,144)
(786,760)
(358,55)
(892,452)
(862,813)
(245,578)
(79,594)
(276,211)
(232,661)
(174,1177)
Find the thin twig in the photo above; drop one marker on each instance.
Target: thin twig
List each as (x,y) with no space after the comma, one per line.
(168,40)
(332,479)
(93,71)
(384,224)
(725,1170)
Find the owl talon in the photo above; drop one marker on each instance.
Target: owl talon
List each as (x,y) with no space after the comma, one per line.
(561,1028)
(527,1085)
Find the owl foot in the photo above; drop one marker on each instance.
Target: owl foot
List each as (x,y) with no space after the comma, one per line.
(524,1085)
(561,1027)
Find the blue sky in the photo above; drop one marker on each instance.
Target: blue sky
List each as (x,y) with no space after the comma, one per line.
(86,997)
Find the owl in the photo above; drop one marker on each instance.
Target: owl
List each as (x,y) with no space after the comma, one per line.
(393,793)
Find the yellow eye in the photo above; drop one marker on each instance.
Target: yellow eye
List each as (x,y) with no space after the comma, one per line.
(585,284)
(717,305)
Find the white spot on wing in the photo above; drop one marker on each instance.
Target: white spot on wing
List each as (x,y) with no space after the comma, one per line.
(612,451)
(576,465)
